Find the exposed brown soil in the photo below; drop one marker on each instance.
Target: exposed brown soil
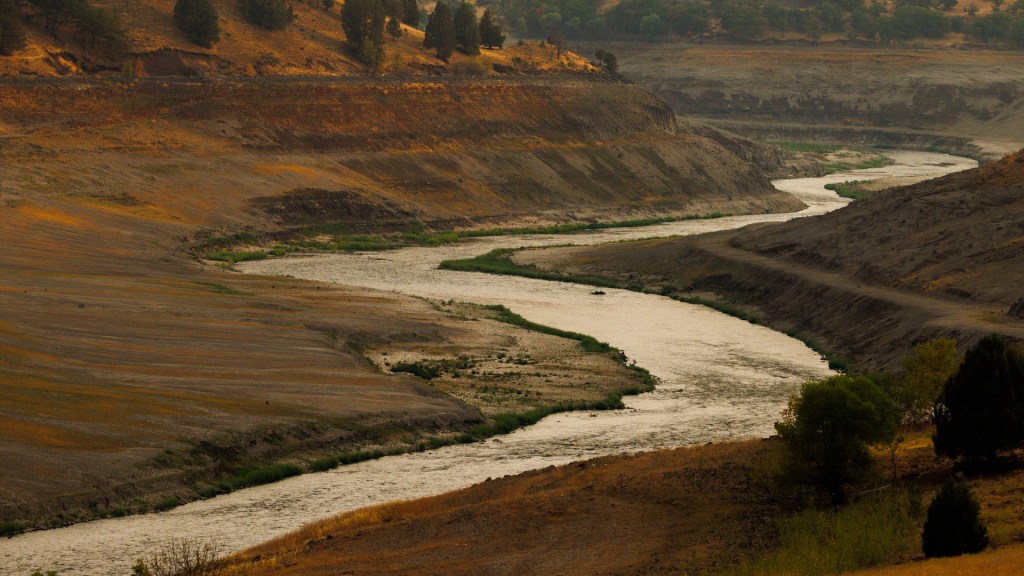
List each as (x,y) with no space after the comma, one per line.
(692,510)
(684,511)
(132,373)
(940,258)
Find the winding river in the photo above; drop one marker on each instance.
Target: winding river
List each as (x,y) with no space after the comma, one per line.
(721,378)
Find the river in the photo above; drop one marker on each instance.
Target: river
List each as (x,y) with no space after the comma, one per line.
(720,378)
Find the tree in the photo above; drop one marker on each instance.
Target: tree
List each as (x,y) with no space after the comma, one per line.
(556,41)
(395,12)
(328,4)
(467,30)
(828,427)
(269,14)
(440,32)
(490,31)
(953,527)
(410,13)
(363,23)
(610,62)
(198,20)
(981,409)
(925,370)
(12,34)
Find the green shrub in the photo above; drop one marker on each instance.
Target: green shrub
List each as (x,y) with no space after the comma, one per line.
(11,527)
(953,527)
(198,20)
(827,429)
(269,14)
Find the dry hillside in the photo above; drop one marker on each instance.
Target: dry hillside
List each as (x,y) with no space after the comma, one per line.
(940,258)
(961,100)
(132,373)
(313,44)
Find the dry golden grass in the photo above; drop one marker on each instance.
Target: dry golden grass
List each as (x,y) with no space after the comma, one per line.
(1005,561)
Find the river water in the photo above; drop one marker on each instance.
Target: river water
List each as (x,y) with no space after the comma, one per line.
(720,378)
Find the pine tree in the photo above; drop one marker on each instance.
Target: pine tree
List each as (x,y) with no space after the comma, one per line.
(440,32)
(411,13)
(395,11)
(490,31)
(12,35)
(269,14)
(363,23)
(198,20)
(467,31)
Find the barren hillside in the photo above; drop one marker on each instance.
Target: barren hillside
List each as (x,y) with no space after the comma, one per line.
(314,44)
(940,258)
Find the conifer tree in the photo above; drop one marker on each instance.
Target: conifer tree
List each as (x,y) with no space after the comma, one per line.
(440,32)
(363,23)
(269,14)
(395,11)
(12,35)
(411,13)
(198,20)
(490,31)
(467,31)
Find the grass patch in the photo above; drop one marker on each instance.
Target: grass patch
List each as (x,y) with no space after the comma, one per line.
(344,239)
(11,528)
(217,288)
(167,504)
(880,529)
(863,165)
(231,257)
(498,262)
(251,477)
(849,189)
(505,423)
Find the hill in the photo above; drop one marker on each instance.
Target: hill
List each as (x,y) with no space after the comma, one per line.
(939,258)
(314,44)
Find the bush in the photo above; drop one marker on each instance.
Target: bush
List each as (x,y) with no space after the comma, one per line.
(981,410)
(181,557)
(198,20)
(827,429)
(953,527)
(12,35)
(269,14)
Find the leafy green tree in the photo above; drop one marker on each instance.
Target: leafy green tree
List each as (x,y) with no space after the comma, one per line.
(925,371)
(490,31)
(828,428)
(440,32)
(269,14)
(410,13)
(467,30)
(610,62)
(12,34)
(953,526)
(198,20)
(981,409)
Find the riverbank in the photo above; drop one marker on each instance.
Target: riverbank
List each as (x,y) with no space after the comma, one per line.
(703,509)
